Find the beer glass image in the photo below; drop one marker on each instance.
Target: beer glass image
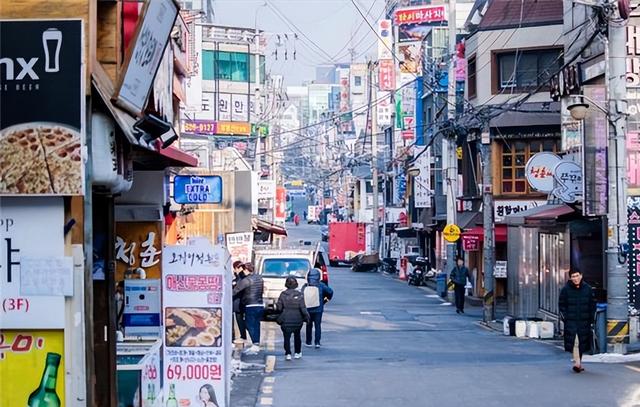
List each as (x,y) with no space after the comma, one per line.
(52,42)
(45,394)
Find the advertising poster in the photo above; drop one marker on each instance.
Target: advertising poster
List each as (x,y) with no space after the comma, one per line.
(415,23)
(28,359)
(22,222)
(197,325)
(42,145)
(240,246)
(138,245)
(410,57)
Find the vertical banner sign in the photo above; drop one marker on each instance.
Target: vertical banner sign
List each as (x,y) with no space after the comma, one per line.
(41,107)
(633,160)
(633,211)
(596,133)
(197,325)
(386,74)
(384,108)
(30,229)
(28,361)
(385,40)
(240,246)
(422,181)
(281,204)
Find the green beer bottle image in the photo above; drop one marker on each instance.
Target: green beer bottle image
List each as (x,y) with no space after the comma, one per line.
(45,395)
(172,401)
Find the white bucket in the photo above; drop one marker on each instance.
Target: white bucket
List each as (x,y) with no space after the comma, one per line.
(521,329)
(545,329)
(532,329)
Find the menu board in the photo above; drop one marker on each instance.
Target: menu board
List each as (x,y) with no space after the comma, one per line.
(197,324)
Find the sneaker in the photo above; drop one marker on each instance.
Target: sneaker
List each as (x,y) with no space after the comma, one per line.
(287,357)
(252,350)
(308,345)
(317,346)
(296,356)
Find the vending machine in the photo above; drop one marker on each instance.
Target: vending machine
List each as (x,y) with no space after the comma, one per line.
(141,316)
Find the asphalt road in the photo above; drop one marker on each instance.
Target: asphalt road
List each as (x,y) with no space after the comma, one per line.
(388,344)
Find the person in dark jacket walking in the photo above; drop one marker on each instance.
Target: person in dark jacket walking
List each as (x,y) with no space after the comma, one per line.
(238,308)
(459,276)
(293,313)
(316,293)
(250,290)
(577,308)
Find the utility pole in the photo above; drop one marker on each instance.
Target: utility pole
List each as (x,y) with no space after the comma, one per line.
(374,161)
(487,223)
(257,167)
(617,267)
(449,151)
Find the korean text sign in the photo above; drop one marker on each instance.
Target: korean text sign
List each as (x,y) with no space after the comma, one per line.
(22,222)
(197,323)
(138,245)
(240,245)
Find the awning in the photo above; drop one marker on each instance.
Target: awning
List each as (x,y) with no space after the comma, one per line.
(264,226)
(539,214)
(499,230)
(467,220)
(530,114)
(152,156)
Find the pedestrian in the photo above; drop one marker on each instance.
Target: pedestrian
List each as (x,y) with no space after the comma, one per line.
(296,219)
(250,289)
(238,308)
(304,215)
(293,314)
(459,276)
(316,294)
(577,306)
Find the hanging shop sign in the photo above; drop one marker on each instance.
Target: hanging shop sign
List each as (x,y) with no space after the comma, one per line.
(596,143)
(571,135)
(266,189)
(24,250)
(143,58)
(422,181)
(32,368)
(138,246)
(385,39)
(451,233)
(633,212)
(197,324)
(470,243)
(500,269)
(385,109)
(205,127)
(420,15)
(41,107)
(539,171)
(281,204)
(568,181)
(197,189)
(240,246)
(510,207)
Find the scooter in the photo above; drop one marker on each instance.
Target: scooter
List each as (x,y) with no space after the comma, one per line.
(388,265)
(419,276)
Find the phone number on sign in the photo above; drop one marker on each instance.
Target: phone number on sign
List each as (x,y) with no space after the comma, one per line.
(190,372)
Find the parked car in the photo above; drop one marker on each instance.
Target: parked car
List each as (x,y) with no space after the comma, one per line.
(324,231)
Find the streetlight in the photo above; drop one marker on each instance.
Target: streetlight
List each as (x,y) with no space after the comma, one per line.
(579,109)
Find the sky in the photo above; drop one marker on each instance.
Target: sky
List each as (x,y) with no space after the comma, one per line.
(333,26)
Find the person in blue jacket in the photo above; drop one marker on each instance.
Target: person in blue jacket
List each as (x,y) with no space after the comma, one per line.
(316,294)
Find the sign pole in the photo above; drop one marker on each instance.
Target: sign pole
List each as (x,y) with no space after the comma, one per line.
(487,224)
(451,159)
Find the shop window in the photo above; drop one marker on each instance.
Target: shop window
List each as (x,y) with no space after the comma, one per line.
(514,157)
(526,70)
(551,276)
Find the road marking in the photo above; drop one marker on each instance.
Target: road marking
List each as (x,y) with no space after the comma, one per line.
(267,389)
(270,364)
(446,303)
(634,368)
(270,379)
(370,313)
(266,401)
(432,295)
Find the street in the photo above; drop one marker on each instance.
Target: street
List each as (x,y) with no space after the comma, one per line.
(385,343)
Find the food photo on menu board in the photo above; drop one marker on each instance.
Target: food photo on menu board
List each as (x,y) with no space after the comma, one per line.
(193,327)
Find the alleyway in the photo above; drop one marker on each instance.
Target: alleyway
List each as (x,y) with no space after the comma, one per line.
(387,344)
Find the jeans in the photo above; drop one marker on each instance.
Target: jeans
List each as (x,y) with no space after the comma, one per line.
(242,325)
(253,317)
(314,320)
(459,293)
(297,340)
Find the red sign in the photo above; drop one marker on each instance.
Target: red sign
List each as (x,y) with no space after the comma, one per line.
(281,204)
(420,15)
(407,134)
(387,74)
(470,243)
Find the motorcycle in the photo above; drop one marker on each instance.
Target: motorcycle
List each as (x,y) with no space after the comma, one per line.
(388,265)
(421,272)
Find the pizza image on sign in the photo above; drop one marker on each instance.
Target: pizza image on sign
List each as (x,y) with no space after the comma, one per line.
(41,158)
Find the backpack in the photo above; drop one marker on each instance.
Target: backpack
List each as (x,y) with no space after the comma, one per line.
(311,296)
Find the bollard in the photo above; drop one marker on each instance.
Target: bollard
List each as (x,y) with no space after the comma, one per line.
(441,284)
(601,328)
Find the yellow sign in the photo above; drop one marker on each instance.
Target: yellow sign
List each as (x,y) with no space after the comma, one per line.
(451,233)
(28,361)
(459,152)
(297,183)
(234,128)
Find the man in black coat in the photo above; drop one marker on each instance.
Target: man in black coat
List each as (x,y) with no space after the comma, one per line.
(238,308)
(577,309)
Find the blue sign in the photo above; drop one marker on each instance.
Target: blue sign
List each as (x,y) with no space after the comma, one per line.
(194,189)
